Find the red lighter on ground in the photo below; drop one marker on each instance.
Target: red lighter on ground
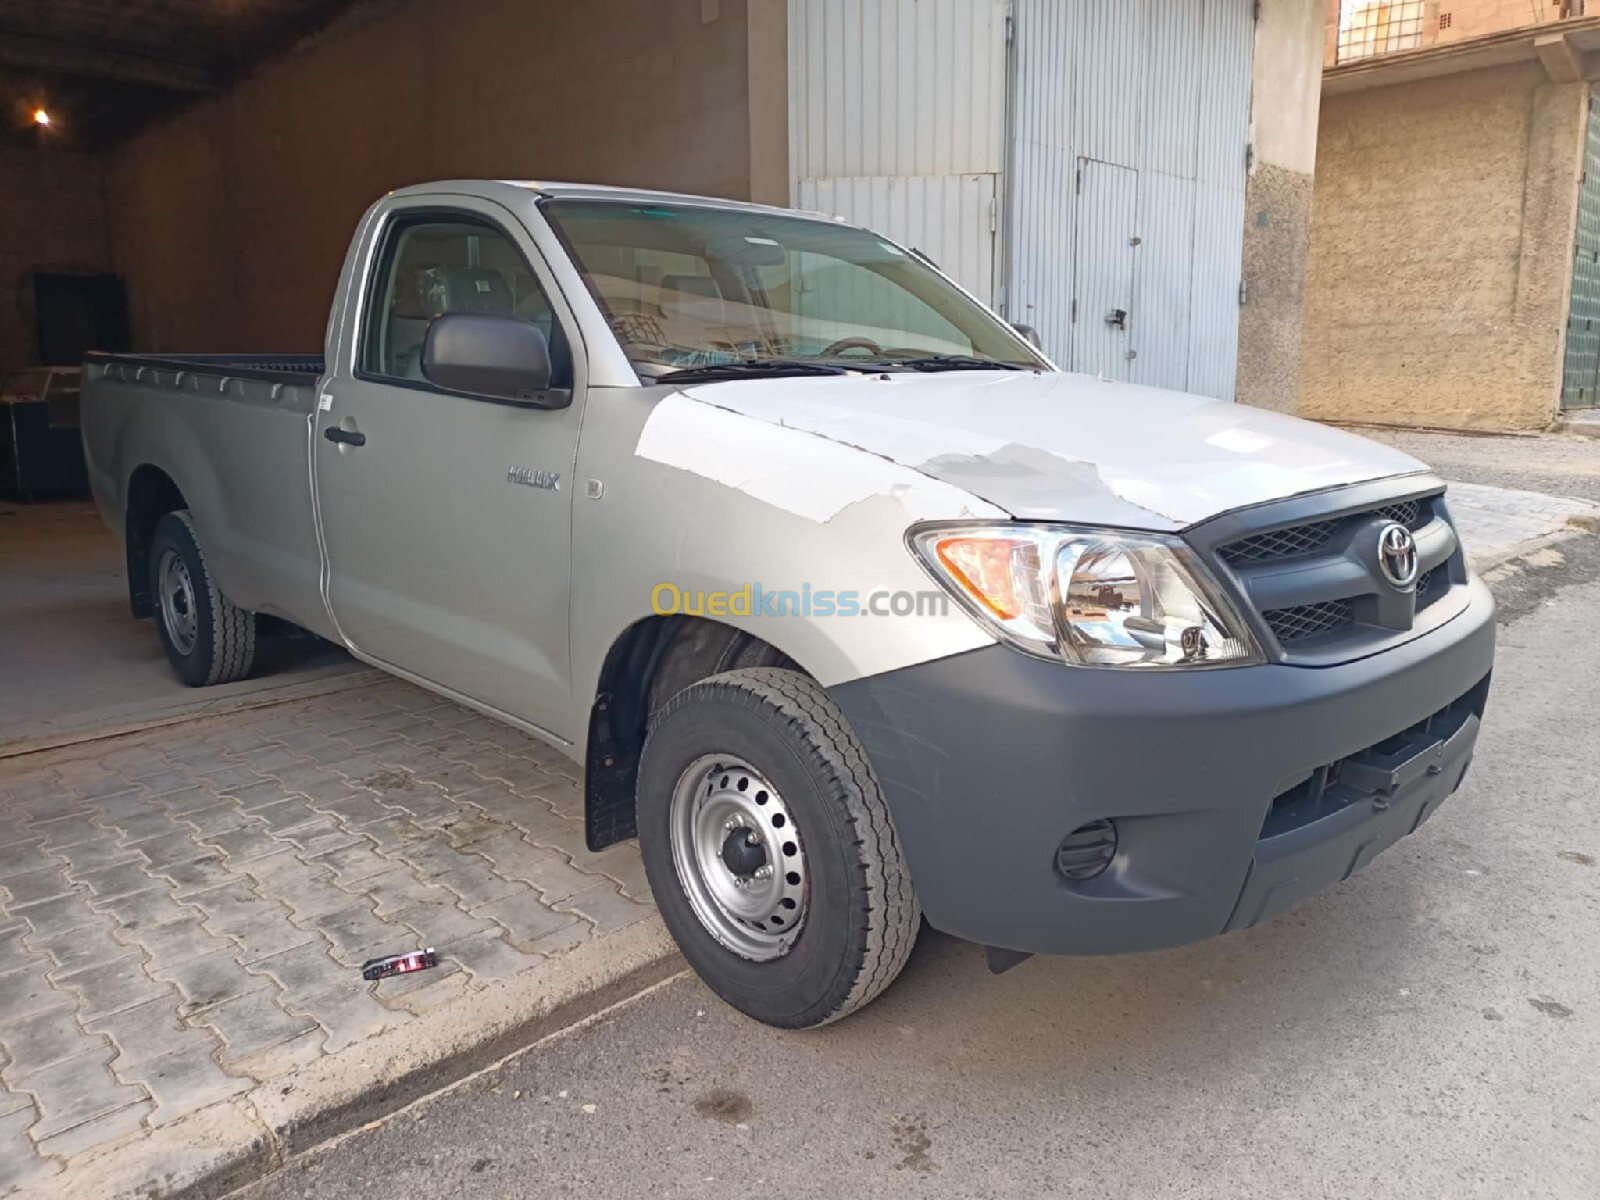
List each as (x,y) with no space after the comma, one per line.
(399,964)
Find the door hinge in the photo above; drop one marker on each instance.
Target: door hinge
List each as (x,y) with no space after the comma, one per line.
(1078,186)
(994,214)
(1249,156)
(1244,292)
(1011,26)
(1255,11)
(1074,317)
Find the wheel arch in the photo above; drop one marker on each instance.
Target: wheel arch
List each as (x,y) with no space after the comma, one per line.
(152,494)
(650,662)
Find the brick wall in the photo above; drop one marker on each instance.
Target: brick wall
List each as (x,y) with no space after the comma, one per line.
(52,218)
(1441,236)
(1456,20)
(1446,21)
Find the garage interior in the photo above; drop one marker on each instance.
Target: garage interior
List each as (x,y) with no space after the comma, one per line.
(81,82)
(220,177)
(185,176)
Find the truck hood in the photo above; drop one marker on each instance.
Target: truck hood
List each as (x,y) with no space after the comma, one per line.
(1055,446)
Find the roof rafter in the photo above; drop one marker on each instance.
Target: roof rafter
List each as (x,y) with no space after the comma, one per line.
(23,52)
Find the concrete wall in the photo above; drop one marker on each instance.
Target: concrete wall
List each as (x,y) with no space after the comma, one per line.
(52,218)
(231,221)
(1286,91)
(1440,251)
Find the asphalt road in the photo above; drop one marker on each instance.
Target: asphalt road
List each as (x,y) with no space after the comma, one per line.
(1430,1028)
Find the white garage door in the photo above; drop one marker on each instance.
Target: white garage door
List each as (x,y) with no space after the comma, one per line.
(897,122)
(1126,185)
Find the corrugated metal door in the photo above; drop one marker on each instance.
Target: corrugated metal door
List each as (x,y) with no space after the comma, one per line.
(1104,288)
(1160,89)
(897,121)
(1581,377)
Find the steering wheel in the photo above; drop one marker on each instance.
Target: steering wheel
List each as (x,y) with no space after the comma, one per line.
(849,343)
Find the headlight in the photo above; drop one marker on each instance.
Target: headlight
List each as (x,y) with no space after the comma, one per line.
(1096,597)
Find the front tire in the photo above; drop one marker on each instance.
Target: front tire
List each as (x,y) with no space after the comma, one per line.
(770,850)
(208,639)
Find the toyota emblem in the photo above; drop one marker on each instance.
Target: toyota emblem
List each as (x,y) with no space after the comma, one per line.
(1397,556)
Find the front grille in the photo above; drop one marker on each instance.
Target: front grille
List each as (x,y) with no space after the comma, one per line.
(1407,512)
(1308,620)
(1280,543)
(1425,593)
(1314,582)
(1314,535)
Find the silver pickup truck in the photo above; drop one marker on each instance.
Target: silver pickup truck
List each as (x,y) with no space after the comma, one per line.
(853,608)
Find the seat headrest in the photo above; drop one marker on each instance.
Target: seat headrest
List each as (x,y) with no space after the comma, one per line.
(430,291)
(694,285)
(696,296)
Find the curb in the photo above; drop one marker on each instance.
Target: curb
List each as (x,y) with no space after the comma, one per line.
(1582,424)
(1446,430)
(228,1145)
(118,721)
(1576,527)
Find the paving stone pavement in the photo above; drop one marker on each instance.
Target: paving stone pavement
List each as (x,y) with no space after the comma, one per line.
(1495,521)
(183,912)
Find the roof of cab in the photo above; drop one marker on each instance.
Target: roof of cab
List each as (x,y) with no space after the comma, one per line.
(592,191)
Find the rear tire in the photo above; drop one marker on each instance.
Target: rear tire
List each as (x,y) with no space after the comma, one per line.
(757,770)
(208,639)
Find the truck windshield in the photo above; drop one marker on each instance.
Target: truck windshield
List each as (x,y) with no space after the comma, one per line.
(687,286)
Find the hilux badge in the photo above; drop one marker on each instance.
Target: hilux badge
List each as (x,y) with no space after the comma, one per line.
(550,481)
(1397,555)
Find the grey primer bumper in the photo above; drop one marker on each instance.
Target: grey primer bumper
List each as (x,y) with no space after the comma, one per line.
(1235,793)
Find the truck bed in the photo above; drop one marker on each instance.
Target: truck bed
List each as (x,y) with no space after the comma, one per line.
(274,368)
(231,433)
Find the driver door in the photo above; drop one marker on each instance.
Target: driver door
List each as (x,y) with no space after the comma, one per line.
(447,518)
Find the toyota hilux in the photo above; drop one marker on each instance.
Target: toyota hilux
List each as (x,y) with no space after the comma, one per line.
(853,608)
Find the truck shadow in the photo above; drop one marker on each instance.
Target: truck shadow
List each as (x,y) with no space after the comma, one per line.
(1263,1002)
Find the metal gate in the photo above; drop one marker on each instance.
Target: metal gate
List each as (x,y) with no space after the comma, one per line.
(897,122)
(1125,182)
(1580,379)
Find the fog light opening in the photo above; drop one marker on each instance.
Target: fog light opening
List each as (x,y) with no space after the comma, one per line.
(1087,851)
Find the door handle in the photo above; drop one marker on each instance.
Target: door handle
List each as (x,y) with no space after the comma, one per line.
(346,437)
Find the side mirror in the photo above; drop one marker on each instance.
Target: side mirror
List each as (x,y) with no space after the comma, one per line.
(1029,334)
(491,355)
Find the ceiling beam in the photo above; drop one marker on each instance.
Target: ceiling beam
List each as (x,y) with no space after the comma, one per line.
(22,52)
(1563,61)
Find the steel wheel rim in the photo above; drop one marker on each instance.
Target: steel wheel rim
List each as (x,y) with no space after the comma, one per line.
(721,799)
(177,601)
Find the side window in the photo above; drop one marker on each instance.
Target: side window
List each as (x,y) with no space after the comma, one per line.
(433,265)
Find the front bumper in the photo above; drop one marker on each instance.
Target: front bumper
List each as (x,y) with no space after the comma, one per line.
(1213,779)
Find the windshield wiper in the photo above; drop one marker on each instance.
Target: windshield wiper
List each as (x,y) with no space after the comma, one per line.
(747,369)
(945,362)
